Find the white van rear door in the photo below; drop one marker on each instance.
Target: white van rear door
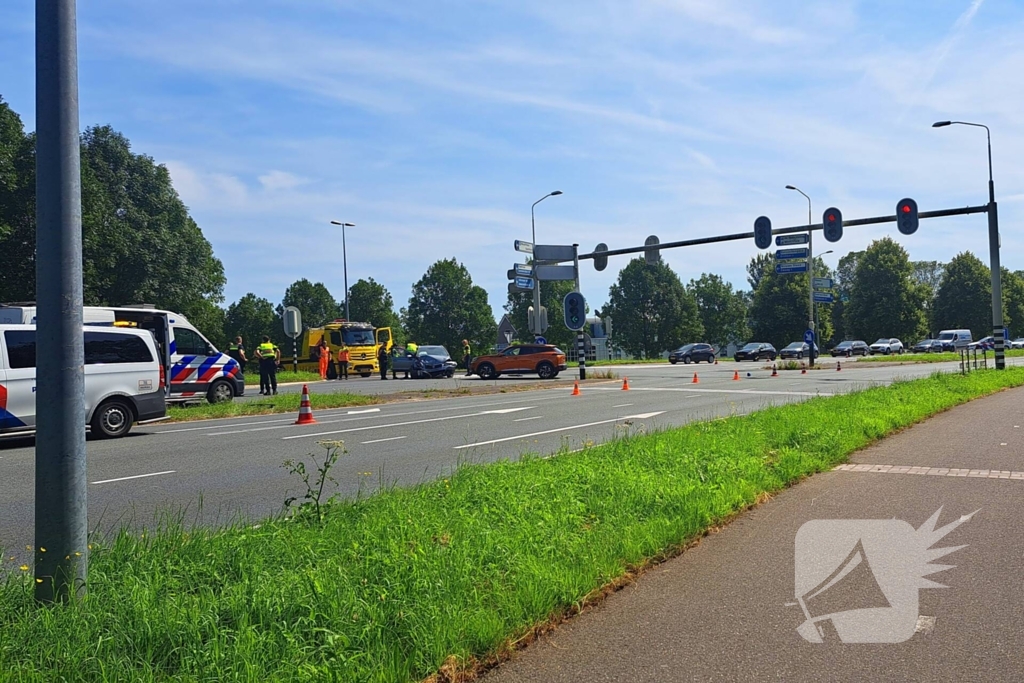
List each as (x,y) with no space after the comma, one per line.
(18,395)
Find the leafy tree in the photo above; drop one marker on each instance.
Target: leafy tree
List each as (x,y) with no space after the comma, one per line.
(757,267)
(551,296)
(843,286)
(964,299)
(778,311)
(17,208)
(446,307)
(723,311)
(651,310)
(885,301)
(252,317)
(1013,302)
(370,302)
(314,301)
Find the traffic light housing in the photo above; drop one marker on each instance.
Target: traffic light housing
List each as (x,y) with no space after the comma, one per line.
(575,310)
(652,255)
(832,224)
(763,232)
(906,216)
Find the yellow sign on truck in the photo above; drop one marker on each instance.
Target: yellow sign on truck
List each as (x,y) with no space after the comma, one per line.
(362,340)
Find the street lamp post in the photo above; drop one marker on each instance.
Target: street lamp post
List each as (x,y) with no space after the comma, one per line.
(344,259)
(810,269)
(993,249)
(536,327)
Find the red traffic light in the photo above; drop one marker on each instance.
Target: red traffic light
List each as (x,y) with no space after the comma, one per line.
(831,217)
(906,208)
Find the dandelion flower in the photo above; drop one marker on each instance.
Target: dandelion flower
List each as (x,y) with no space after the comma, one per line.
(23,567)
(39,580)
(42,549)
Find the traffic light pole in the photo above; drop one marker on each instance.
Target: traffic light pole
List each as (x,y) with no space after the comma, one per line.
(581,341)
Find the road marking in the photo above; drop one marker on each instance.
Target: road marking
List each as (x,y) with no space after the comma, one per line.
(361,412)
(137,476)
(623,405)
(391,438)
(524,419)
(506,410)
(398,424)
(751,392)
(924,625)
(933,471)
(644,416)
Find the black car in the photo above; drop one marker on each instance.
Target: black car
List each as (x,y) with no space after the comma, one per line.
(756,351)
(927,346)
(692,353)
(429,362)
(850,348)
(798,350)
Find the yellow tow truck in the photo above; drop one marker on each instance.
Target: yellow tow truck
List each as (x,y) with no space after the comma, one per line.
(362,339)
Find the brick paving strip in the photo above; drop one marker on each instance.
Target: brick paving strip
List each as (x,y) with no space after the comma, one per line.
(936,471)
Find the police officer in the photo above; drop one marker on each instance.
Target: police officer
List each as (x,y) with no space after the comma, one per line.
(237,351)
(382,361)
(269,356)
(467,356)
(410,349)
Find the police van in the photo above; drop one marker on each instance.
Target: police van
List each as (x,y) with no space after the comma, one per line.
(195,369)
(124,380)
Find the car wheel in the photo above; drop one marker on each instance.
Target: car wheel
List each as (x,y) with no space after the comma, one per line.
(799,356)
(686,360)
(220,392)
(849,354)
(113,419)
(672,361)
(486,371)
(711,359)
(450,374)
(546,370)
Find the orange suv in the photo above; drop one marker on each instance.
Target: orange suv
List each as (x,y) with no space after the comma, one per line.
(544,359)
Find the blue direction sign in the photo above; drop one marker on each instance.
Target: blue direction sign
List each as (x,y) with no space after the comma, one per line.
(524,282)
(786,240)
(524,246)
(808,336)
(824,298)
(823,283)
(791,253)
(540,340)
(523,269)
(784,267)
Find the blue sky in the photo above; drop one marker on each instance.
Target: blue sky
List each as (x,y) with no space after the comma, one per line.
(434,126)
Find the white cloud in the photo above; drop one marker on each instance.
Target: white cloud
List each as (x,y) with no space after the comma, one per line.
(281,180)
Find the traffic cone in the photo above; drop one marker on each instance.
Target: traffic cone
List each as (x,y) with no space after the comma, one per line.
(775,371)
(575,388)
(625,384)
(736,376)
(839,366)
(716,361)
(695,380)
(305,412)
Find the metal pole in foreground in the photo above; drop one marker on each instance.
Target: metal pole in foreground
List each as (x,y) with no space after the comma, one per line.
(61,521)
(993,250)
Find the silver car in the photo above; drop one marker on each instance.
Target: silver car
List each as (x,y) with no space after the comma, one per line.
(886,346)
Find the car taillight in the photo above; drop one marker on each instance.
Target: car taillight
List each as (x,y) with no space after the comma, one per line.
(163,377)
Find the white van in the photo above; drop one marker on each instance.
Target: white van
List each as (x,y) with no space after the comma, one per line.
(123,379)
(954,340)
(195,369)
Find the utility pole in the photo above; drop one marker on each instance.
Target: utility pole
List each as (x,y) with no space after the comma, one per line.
(61,521)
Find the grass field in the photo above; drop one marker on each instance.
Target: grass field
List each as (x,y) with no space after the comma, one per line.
(265,405)
(395,586)
(939,357)
(252,377)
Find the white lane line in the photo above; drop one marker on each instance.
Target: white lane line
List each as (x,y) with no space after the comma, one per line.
(362,412)
(524,419)
(392,438)
(623,405)
(137,476)
(752,392)
(392,425)
(644,416)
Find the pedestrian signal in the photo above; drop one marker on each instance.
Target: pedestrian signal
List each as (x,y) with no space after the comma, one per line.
(832,223)
(906,216)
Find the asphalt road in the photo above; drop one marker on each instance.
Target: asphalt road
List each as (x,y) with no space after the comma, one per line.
(213,471)
(726,610)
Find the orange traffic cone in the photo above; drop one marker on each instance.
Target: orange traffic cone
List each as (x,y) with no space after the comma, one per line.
(839,366)
(575,388)
(803,371)
(736,376)
(775,371)
(625,384)
(695,380)
(716,361)
(305,412)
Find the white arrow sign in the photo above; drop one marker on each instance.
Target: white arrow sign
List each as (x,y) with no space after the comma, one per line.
(642,416)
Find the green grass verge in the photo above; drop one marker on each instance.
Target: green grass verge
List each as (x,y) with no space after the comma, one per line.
(252,378)
(265,405)
(938,357)
(393,585)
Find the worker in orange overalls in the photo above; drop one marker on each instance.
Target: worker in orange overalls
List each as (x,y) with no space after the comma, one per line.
(325,357)
(343,357)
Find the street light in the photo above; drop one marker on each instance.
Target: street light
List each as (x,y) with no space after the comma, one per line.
(810,267)
(536,283)
(344,259)
(993,247)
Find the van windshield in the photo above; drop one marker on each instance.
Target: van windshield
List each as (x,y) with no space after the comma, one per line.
(946,336)
(358,337)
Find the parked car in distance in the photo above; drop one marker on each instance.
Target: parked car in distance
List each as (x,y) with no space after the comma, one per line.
(850,348)
(429,362)
(954,339)
(798,350)
(692,353)
(887,345)
(756,351)
(983,344)
(927,346)
(544,359)
(1017,343)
